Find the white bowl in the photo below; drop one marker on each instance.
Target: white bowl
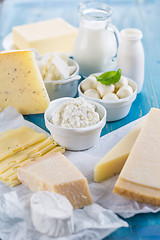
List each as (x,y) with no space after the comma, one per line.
(65,87)
(116,109)
(75,138)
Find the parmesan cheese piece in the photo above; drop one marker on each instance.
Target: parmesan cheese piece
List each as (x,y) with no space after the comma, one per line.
(113,162)
(54,35)
(21,84)
(141,170)
(56,173)
(137,192)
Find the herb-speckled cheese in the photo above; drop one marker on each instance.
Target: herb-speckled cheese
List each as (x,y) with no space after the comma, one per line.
(21,84)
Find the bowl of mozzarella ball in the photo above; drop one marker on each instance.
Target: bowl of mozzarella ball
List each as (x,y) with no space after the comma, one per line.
(60,74)
(75,123)
(116,97)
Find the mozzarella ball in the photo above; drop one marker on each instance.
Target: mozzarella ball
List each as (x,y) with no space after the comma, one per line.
(122,82)
(103,89)
(110,96)
(89,83)
(92,93)
(124,91)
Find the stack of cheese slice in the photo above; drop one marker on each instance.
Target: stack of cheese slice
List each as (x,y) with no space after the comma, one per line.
(140,176)
(21,83)
(56,173)
(19,147)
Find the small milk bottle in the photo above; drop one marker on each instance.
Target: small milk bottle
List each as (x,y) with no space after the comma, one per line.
(130,58)
(96,45)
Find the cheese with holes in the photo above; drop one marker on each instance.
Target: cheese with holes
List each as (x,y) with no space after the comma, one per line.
(113,162)
(14,140)
(140,178)
(19,147)
(21,84)
(54,35)
(56,173)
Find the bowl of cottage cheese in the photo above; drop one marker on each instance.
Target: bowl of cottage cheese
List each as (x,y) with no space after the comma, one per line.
(75,123)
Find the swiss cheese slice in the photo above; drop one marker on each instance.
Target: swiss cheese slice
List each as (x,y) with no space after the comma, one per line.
(113,162)
(140,178)
(19,147)
(54,172)
(21,84)
(55,35)
(15,140)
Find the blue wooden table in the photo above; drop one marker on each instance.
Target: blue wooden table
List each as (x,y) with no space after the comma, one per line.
(142,14)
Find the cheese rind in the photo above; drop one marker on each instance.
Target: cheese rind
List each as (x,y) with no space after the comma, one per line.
(54,35)
(137,192)
(21,83)
(113,162)
(139,178)
(56,173)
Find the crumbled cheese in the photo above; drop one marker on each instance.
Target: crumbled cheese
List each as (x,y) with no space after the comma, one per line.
(75,113)
(54,66)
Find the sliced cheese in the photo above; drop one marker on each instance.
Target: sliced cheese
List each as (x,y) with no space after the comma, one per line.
(15,140)
(54,35)
(141,170)
(21,84)
(113,162)
(56,173)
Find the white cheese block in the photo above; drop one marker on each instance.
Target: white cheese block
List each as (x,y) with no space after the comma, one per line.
(52,214)
(55,35)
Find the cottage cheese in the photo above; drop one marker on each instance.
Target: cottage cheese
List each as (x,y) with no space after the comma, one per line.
(75,113)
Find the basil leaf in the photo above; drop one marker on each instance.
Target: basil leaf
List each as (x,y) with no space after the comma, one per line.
(108,78)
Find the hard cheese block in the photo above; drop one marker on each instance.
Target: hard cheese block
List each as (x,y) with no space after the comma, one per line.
(140,178)
(21,84)
(54,35)
(55,172)
(113,162)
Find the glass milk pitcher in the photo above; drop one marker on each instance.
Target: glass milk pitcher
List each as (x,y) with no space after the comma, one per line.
(96,45)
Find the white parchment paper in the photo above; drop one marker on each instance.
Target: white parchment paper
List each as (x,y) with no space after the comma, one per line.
(93,222)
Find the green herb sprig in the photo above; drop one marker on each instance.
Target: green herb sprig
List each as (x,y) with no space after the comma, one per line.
(108,78)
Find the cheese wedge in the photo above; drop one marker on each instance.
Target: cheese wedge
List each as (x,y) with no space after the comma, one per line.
(56,173)
(142,166)
(54,35)
(113,162)
(21,84)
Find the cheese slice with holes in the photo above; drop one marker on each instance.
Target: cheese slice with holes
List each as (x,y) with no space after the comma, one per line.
(21,84)
(113,162)
(15,140)
(56,173)
(140,178)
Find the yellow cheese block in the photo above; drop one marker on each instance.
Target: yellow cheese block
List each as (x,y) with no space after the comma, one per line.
(143,164)
(15,140)
(21,83)
(54,35)
(113,162)
(54,172)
